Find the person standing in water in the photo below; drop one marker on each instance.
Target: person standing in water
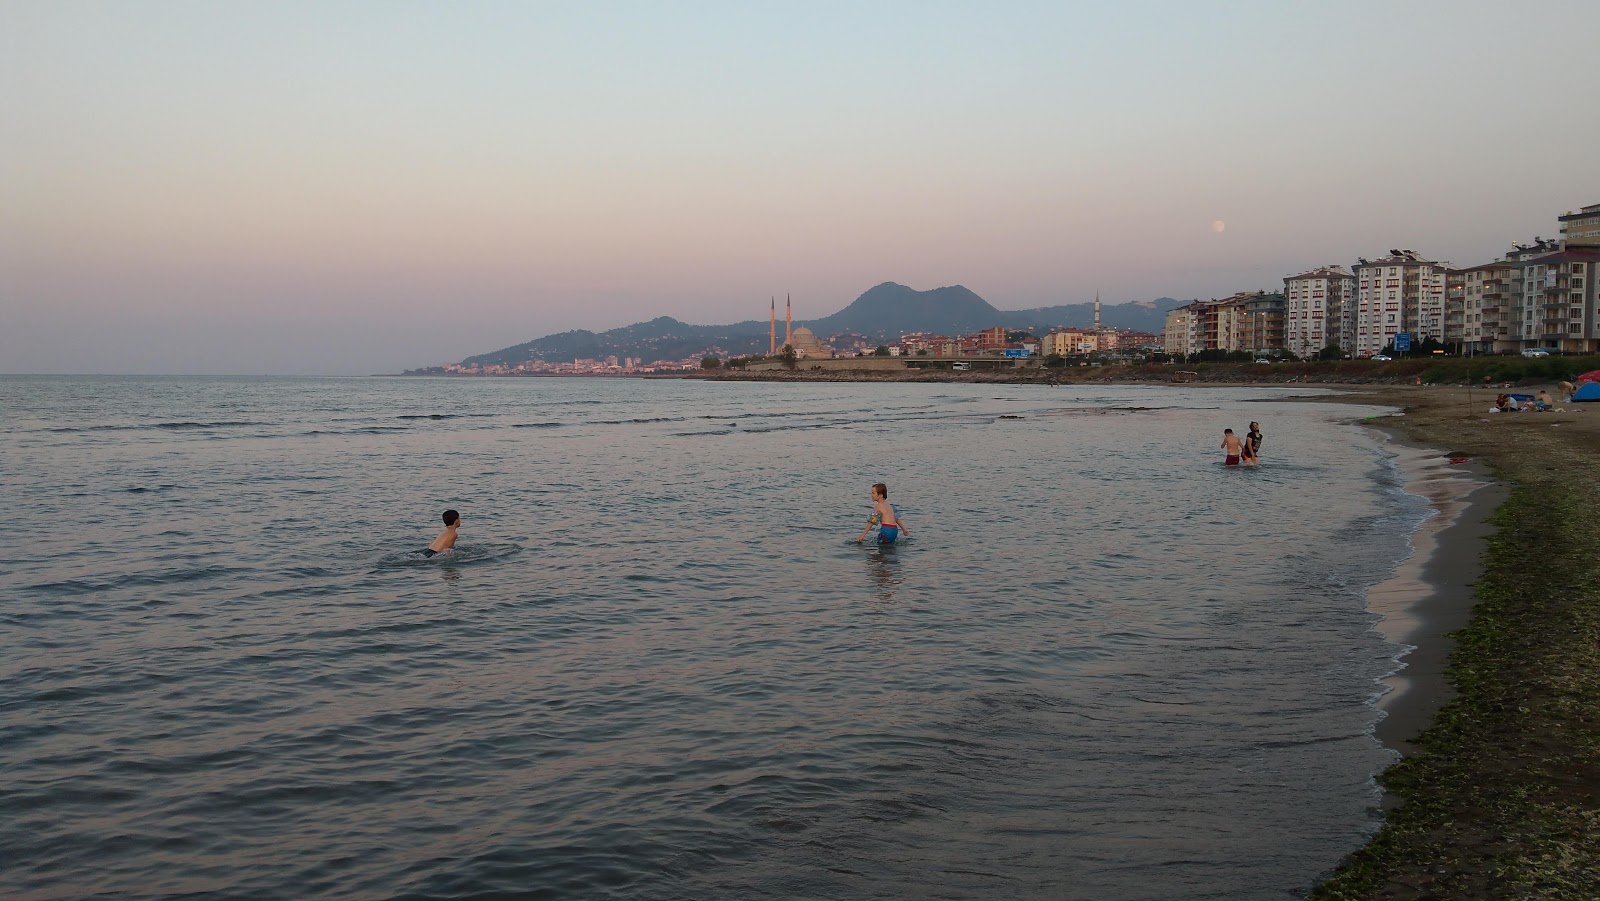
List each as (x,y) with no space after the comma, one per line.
(447,538)
(1254,437)
(884,517)
(1232,446)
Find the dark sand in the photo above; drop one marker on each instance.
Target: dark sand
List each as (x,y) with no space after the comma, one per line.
(1499,795)
(1430,595)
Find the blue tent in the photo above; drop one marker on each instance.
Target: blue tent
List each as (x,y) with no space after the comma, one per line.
(1586,392)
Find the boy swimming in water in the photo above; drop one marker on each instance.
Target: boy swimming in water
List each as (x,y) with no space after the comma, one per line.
(447,538)
(1233,446)
(884,517)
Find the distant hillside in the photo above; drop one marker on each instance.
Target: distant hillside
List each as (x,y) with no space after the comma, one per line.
(889,310)
(883,313)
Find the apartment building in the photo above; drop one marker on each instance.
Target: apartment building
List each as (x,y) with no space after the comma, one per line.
(1260,324)
(1581,230)
(1478,308)
(1558,308)
(1068,342)
(1177,336)
(1317,310)
(1398,293)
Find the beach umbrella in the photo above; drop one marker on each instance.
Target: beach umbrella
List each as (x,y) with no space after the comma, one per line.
(1590,376)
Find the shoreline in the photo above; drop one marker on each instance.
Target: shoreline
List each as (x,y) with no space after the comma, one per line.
(1497,708)
(1429,595)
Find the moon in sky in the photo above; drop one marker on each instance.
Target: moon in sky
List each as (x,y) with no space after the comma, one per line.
(1218,226)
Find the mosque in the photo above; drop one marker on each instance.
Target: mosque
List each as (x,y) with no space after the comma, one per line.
(805,342)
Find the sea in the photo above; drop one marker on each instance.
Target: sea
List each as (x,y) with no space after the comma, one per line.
(1102,665)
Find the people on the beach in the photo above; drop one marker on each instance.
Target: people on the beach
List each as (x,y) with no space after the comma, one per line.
(1232,446)
(1567,389)
(1505,404)
(1247,454)
(447,538)
(884,517)
(1253,438)
(1544,400)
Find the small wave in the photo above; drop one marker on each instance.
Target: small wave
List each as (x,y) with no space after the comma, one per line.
(444,415)
(537,425)
(225,424)
(73,587)
(169,426)
(369,430)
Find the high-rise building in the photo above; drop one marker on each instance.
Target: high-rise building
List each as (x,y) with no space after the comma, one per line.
(1177,336)
(1581,230)
(1400,293)
(1558,309)
(1318,307)
(1260,323)
(1478,308)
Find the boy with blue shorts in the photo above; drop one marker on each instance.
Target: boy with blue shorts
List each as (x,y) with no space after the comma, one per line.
(884,517)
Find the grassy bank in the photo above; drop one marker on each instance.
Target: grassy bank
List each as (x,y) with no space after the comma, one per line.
(1503,799)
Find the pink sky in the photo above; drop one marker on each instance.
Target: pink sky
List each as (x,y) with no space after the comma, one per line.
(367,187)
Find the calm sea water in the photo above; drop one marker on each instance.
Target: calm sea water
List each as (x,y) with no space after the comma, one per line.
(658,667)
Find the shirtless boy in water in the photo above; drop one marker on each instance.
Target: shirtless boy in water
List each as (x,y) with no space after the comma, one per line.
(1231,444)
(447,538)
(884,517)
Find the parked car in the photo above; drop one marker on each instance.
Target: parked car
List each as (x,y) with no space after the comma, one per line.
(1536,352)
(1382,358)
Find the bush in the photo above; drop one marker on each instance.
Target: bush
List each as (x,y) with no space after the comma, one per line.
(710,363)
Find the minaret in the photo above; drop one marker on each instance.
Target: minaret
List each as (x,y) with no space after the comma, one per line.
(1097,311)
(788,321)
(773,334)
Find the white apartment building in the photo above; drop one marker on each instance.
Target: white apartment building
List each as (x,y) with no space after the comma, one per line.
(1398,293)
(1177,337)
(1317,308)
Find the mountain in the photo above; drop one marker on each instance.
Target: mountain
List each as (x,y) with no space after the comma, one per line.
(883,313)
(662,338)
(890,310)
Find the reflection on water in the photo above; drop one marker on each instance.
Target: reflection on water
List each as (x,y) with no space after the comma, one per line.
(657,666)
(883,564)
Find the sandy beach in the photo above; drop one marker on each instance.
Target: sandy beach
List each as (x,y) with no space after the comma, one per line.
(1498,794)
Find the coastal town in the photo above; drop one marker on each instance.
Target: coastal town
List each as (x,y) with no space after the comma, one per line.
(1539,297)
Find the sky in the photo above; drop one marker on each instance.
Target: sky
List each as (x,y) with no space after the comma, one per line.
(361,187)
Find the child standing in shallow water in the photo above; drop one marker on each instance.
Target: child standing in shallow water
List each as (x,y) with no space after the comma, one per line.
(884,517)
(1232,446)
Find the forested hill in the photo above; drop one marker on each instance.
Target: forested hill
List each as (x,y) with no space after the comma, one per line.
(884,313)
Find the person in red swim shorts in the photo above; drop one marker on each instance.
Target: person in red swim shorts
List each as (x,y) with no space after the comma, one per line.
(1233,447)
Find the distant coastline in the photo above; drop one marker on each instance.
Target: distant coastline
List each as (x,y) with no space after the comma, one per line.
(1479,371)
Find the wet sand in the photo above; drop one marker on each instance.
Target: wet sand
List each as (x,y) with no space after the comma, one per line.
(1499,794)
(1430,595)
